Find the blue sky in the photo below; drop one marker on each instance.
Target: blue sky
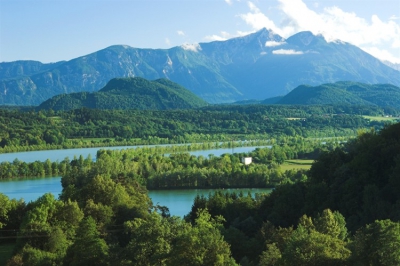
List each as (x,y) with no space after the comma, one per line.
(54,30)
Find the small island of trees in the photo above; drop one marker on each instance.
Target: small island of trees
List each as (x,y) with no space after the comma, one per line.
(343,211)
(329,156)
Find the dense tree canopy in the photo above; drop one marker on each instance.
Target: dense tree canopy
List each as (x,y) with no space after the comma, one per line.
(30,130)
(344,211)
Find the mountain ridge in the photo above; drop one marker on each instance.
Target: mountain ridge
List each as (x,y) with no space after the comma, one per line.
(259,65)
(344,92)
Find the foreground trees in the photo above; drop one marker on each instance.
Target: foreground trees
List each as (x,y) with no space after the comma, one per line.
(319,241)
(54,232)
(377,244)
(88,247)
(344,213)
(170,241)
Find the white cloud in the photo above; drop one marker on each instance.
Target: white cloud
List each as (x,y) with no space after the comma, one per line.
(257,20)
(195,47)
(287,52)
(180,33)
(333,23)
(229,2)
(225,36)
(273,43)
(394,17)
(167,41)
(299,16)
(382,54)
(396,44)
(215,37)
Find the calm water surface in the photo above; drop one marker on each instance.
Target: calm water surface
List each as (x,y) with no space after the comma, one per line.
(31,189)
(179,202)
(54,155)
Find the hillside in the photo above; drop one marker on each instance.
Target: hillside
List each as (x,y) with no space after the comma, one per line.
(383,95)
(257,66)
(129,93)
(361,181)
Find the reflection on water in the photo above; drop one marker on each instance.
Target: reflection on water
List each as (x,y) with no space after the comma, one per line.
(54,155)
(31,189)
(179,202)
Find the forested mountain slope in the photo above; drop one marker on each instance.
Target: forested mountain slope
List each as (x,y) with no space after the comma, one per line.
(129,93)
(257,66)
(345,92)
(346,213)
(361,181)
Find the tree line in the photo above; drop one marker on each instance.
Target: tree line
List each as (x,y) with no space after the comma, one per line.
(344,213)
(24,130)
(171,167)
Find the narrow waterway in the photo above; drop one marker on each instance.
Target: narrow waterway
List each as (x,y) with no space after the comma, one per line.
(179,202)
(59,155)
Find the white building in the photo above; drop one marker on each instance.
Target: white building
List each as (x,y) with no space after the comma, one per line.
(247,160)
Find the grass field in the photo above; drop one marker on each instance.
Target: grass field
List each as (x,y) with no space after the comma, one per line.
(381,118)
(286,167)
(6,252)
(296,164)
(300,161)
(57,119)
(294,118)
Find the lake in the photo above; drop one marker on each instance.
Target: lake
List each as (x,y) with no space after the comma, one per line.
(179,202)
(54,155)
(31,189)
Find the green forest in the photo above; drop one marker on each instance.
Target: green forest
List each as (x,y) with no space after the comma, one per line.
(299,134)
(151,164)
(330,214)
(344,92)
(129,93)
(30,129)
(343,211)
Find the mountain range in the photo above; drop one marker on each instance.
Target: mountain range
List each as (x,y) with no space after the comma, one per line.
(257,66)
(342,92)
(129,93)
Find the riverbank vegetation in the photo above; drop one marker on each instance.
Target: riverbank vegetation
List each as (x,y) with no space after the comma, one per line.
(344,211)
(352,192)
(329,214)
(27,130)
(171,167)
